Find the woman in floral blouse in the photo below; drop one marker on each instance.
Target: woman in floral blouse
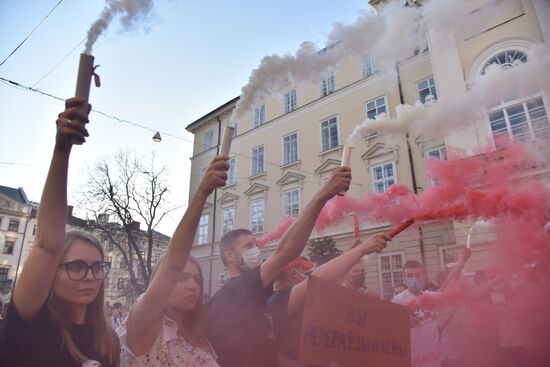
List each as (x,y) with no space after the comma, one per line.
(164,327)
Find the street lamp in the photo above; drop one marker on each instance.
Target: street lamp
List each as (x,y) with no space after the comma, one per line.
(156,137)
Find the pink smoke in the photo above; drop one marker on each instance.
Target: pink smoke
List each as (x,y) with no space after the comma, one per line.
(483,186)
(456,292)
(276,233)
(488,185)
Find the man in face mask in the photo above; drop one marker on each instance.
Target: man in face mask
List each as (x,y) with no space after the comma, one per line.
(237,325)
(414,278)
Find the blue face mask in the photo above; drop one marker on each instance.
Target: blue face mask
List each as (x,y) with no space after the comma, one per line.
(415,285)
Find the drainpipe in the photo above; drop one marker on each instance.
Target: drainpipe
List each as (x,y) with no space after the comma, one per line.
(413,175)
(213,241)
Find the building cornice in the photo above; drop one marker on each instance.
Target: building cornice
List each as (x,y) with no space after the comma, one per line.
(228,106)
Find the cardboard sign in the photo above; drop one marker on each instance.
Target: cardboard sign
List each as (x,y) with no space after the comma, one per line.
(350,328)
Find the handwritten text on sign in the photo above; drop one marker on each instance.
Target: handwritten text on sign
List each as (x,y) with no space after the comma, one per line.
(348,327)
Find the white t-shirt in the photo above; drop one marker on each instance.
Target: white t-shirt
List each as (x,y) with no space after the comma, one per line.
(405,297)
(424,334)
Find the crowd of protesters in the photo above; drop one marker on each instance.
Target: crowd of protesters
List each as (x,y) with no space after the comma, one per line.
(57,316)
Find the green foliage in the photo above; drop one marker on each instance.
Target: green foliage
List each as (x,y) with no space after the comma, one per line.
(323,249)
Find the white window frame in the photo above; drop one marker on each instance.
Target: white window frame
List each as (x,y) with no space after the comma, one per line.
(4,273)
(523,102)
(231,178)
(328,121)
(291,101)
(392,271)
(5,248)
(289,206)
(255,161)
(376,107)
(328,83)
(369,66)
(10,222)
(286,159)
(259,115)
(208,139)
(431,87)
(202,229)
(457,253)
(257,218)
(518,43)
(384,179)
(442,153)
(506,64)
(226,226)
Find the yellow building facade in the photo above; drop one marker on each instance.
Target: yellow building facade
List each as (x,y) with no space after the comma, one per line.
(286,146)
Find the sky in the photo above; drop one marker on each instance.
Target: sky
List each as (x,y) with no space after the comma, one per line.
(186,59)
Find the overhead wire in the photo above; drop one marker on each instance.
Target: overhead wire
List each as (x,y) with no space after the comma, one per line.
(59,62)
(132,123)
(34,29)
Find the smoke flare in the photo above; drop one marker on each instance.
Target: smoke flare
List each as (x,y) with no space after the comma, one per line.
(132,12)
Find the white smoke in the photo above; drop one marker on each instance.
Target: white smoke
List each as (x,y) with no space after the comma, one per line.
(131,12)
(446,18)
(394,25)
(275,72)
(392,34)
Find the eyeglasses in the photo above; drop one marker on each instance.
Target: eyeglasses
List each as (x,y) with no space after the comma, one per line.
(78,269)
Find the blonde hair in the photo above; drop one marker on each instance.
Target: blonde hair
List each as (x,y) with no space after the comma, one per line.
(105,340)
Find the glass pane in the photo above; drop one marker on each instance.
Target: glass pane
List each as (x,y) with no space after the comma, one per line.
(385,263)
(388,170)
(386,280)
(423,94)
(518,121)
(378,175)
(537,113)
(434,154)
(334,136)
(434,92)
(380,102)
(423,85)
(382,110)
(398,277)
(379,187)
(498,123)
(396,262)
(325,139)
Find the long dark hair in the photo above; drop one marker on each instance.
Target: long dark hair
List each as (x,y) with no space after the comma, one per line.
(106,342)
(193,328)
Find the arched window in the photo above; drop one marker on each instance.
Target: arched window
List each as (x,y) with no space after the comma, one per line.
(506,59)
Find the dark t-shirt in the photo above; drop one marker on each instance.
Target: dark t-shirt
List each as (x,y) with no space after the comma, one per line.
(287,327)
(238,327)
(38,342)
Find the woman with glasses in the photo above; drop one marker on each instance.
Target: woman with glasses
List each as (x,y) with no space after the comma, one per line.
(56,317)
(165,325)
